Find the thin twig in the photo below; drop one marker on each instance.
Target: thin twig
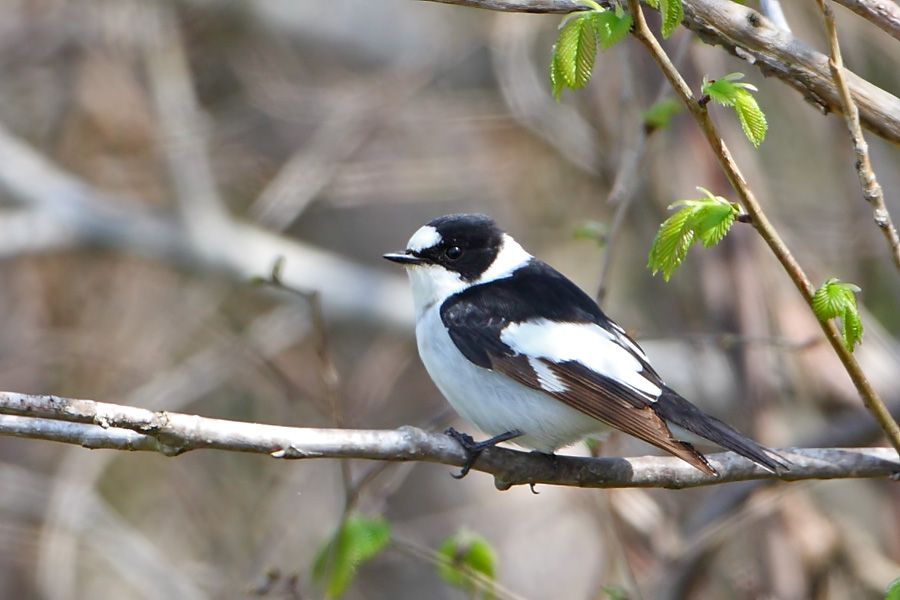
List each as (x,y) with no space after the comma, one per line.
(624,185)
(102,425)
(872,191)
(870,397)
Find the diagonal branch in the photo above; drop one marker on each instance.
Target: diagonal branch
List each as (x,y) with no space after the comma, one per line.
(872,191)
(884,14)
(60,210)
(761,223)
(101,425)
(748,35)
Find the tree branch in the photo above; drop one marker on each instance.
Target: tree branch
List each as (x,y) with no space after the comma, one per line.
(763,226)
(525,6)
(748,35)
(101,425)
(884,14)
(61,210)
(872,191)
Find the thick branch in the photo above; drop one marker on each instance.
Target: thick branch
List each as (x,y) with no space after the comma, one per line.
(101,425)
(872,191)
(885,14)
(526,6)
(745,33)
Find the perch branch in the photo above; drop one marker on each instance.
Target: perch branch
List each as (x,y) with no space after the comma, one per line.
(872,191)
(101,425)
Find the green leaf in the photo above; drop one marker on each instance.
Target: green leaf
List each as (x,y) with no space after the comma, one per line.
(671,244)
(893,590)
(591,230)
(576,49)
(359,539)
(708,219)
(615,592)
(612,26)
(672,14)
(653,4)
(853,328)
(465,554)
(660,114)
(752,119)
(832,298)
(557,80)
(838,299)
(728,91)
(713,222)
(722,90)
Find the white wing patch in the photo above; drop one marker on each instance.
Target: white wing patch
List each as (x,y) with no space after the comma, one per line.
(424,237)
(623,339)
(585,343)
(547,379)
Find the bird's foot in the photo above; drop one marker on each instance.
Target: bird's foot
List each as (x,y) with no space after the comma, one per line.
(474,449)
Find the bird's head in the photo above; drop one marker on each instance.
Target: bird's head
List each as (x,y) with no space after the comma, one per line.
(454,252)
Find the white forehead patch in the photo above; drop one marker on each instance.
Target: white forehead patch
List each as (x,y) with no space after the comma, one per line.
(426,237)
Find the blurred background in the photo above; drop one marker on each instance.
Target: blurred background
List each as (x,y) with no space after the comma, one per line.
(163,155)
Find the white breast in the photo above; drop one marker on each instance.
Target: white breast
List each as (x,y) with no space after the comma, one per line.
(494,402)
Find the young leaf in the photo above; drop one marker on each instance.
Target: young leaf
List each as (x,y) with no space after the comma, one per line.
(464,554)
(707,219)
(853,328)
(838,299)
(612,26)
(359,539)
(660,114)
(893,590)
(752,119)
(591,230)
(672,14)
(615,592)
(576,49)
(722,91)
(654,4)
(728,91)
(671,244)
(557,80)
(713,222)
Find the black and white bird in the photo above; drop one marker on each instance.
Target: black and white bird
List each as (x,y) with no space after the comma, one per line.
(523,353)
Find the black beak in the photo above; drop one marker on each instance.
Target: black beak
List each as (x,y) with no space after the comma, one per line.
(403,258)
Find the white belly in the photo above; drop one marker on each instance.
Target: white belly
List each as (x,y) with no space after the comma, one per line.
(494,402)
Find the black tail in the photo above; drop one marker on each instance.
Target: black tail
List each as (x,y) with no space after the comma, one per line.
(678,411)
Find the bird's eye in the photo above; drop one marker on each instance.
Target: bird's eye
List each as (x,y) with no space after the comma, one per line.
(453,252)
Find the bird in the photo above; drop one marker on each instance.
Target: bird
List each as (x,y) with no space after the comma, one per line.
(528,357)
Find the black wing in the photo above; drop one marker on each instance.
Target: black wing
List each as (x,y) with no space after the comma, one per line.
(476,318)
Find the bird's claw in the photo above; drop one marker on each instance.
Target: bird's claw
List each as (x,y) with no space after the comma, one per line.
(469,446)
(474,449)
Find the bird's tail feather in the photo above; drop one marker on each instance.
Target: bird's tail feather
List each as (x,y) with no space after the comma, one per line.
(678,411)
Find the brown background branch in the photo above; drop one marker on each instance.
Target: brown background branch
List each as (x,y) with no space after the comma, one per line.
(872,191)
